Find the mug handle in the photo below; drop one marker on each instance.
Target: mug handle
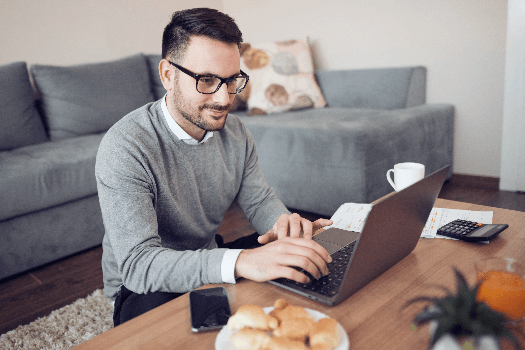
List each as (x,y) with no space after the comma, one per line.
(388,177)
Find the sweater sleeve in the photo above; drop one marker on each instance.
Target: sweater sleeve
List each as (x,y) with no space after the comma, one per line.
(258,200)
(127,198)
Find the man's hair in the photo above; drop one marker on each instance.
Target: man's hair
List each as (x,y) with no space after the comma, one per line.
(197,22)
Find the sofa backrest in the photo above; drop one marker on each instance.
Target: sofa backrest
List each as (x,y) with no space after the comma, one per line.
(72,100)
(156,85)
(379,88)
(20,121)
(90,98)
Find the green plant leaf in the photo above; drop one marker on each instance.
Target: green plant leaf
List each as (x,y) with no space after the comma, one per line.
(427,315)
(460,314)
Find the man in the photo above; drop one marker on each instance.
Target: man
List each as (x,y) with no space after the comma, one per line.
(167,172)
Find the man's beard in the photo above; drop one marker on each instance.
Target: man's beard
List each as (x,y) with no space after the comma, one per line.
(194,114)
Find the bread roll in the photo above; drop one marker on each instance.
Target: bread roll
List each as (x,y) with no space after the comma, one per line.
(276,343)
(280,304)
(294,328)
(252,316)
(325,335)
(282,311)
(250,339)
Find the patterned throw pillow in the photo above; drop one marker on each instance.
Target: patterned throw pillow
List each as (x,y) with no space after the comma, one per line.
(281,77)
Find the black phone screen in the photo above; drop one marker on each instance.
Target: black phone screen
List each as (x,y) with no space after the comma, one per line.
(210,309)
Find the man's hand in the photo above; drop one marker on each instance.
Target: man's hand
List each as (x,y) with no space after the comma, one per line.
(274,260)
(293,226)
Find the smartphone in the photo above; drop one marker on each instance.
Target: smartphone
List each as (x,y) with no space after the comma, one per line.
(209,309)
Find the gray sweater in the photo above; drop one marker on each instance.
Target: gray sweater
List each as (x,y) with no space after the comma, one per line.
(163,200)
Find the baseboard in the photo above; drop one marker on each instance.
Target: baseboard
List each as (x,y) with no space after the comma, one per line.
(486,182)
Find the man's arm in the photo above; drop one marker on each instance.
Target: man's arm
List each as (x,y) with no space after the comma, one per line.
(282,246)
(127,198)
(257,199)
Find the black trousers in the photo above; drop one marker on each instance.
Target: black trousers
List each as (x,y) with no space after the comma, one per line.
(129,305)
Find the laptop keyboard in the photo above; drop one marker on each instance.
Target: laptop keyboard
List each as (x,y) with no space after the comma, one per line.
(327,285)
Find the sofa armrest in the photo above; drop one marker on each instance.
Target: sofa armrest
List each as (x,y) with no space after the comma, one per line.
(377,88)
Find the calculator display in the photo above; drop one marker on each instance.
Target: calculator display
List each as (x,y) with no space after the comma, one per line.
(481,231)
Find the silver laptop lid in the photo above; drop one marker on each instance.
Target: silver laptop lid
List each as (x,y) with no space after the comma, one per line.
(391,232)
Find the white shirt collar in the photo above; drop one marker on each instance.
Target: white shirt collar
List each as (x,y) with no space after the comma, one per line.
(177,130)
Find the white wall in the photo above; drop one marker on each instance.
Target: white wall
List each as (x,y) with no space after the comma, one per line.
(65,32)
(462,43)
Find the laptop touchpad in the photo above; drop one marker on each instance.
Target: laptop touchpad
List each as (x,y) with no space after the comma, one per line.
(334,239)
(330,247)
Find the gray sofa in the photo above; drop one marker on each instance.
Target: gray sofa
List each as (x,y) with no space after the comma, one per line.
(316,159)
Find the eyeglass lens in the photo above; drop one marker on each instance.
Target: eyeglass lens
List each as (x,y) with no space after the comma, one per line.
(209,85)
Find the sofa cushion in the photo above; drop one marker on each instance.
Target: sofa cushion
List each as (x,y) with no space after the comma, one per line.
(379,88)
(281,77)
(20,121)
(90,98)
(157,88)
(317,159)
(51,173)
(44,236)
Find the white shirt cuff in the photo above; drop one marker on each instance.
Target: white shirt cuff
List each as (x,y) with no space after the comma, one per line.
(228,265)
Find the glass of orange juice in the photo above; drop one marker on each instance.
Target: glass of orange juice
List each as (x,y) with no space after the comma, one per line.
(502,285)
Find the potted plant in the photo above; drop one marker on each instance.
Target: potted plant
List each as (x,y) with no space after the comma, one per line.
(460,320)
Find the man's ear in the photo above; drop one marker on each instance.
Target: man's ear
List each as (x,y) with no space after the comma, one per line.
(166,73)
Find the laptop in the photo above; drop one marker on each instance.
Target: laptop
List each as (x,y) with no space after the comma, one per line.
(391,232)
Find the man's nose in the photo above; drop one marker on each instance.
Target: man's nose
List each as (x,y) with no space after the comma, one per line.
(222,96)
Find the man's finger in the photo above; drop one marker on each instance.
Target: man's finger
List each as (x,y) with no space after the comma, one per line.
(314,266)
(305,258)
(266,238)
(282,226)
(308,243)
(295,222)
(322,222)
(307,228)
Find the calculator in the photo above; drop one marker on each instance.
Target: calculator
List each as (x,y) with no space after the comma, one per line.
(470,231)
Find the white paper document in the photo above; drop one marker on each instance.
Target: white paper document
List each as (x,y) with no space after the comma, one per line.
(441,216)
(352,217)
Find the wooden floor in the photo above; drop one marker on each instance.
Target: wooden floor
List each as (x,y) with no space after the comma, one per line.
(36,293)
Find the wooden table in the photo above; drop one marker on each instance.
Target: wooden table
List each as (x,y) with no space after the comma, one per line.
(372,317)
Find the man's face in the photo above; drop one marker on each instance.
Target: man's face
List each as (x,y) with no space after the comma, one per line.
(197,113)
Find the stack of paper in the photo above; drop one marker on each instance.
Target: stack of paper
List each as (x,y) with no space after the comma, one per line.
(352,217)
(440,217)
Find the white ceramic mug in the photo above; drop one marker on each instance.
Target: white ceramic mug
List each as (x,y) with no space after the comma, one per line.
(405,174)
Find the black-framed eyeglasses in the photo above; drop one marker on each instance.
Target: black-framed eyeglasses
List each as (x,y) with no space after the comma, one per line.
(210,84)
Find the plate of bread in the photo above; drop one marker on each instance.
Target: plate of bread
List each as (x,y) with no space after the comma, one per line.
(281,326)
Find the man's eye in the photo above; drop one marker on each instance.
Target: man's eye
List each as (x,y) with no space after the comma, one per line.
(207,80)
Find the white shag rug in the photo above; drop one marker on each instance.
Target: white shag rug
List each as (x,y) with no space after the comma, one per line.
(63,328)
